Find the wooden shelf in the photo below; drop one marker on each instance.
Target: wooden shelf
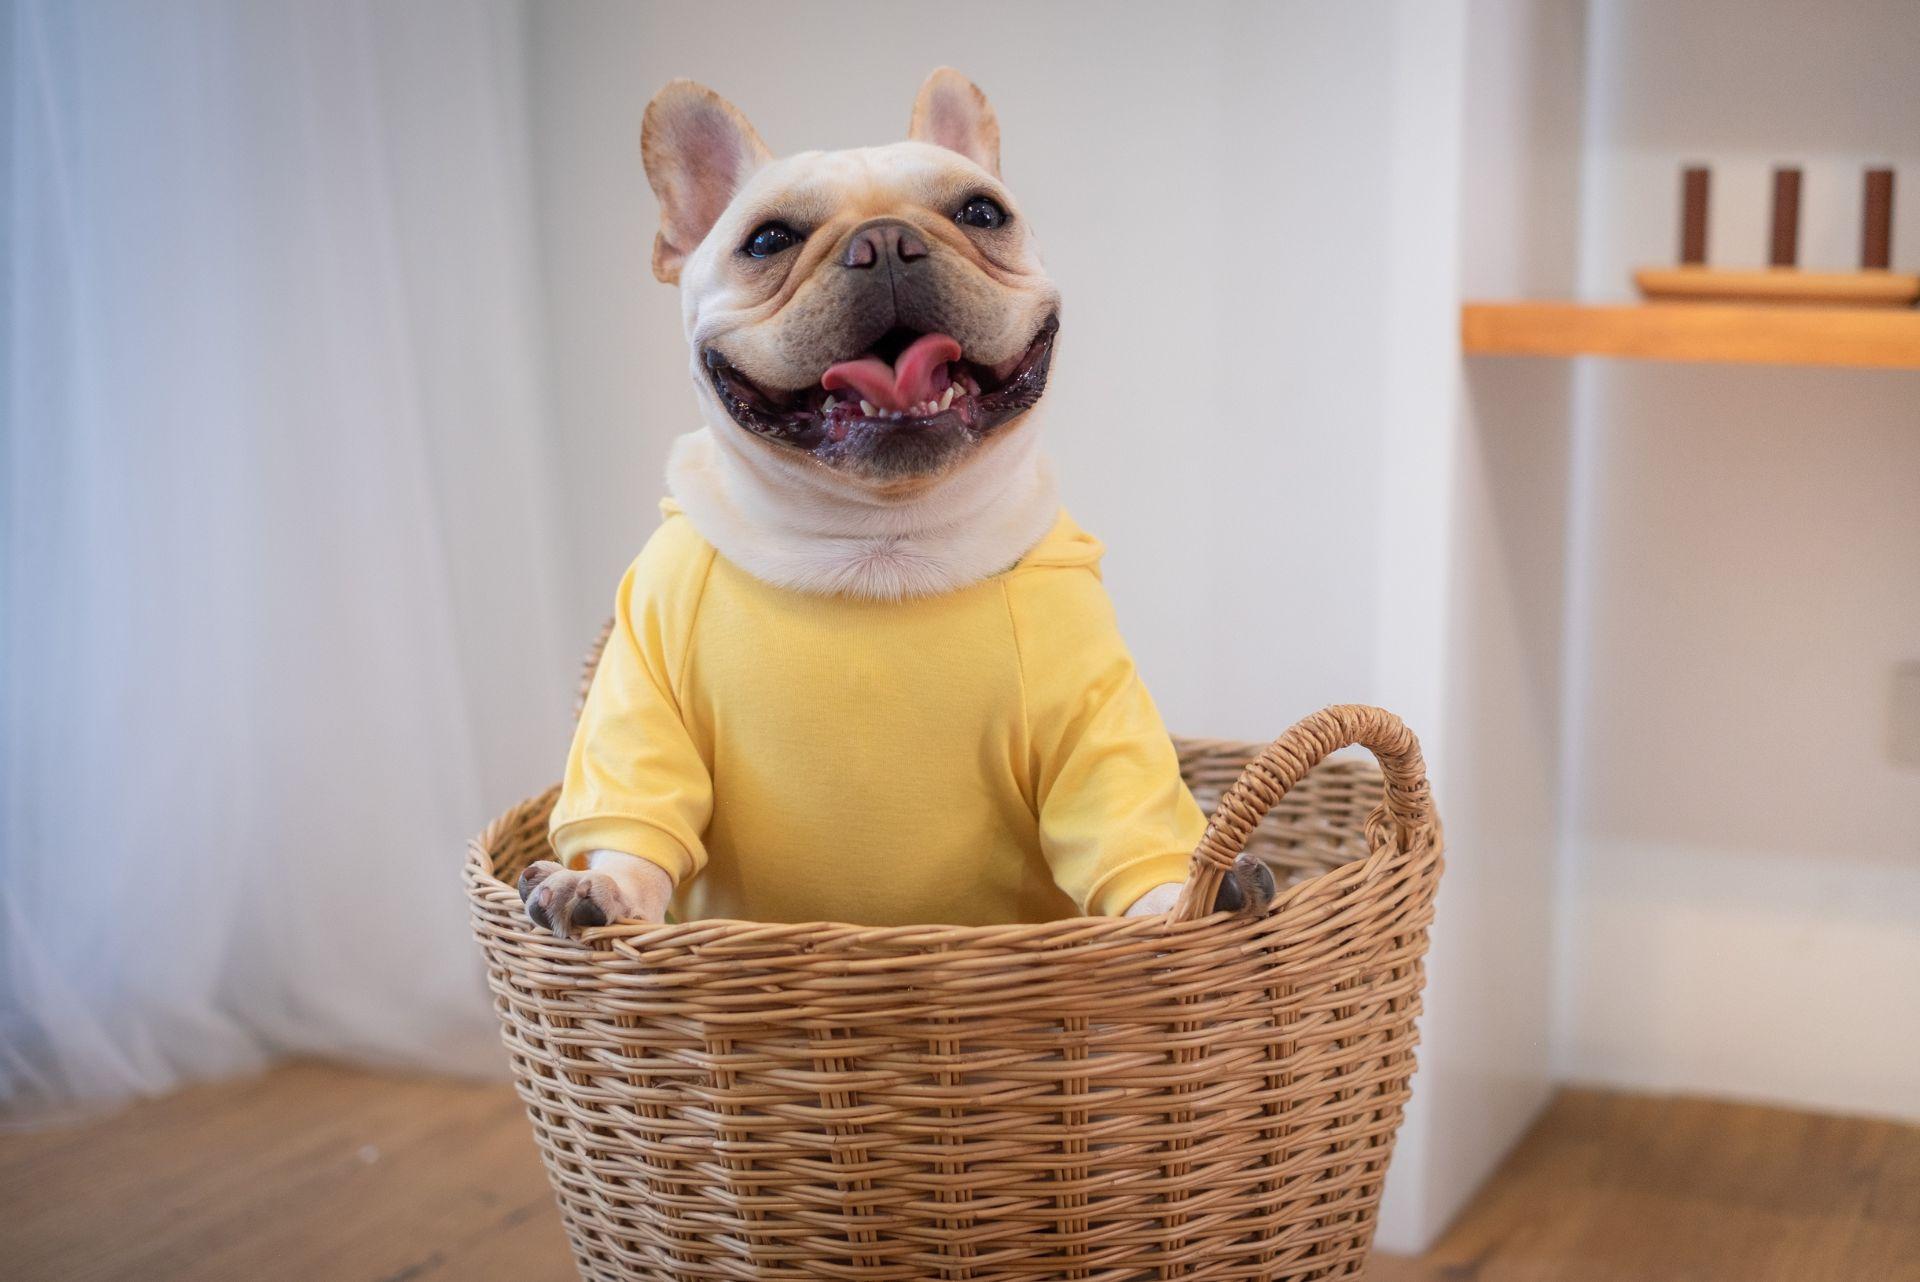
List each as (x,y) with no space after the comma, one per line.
(1878,338)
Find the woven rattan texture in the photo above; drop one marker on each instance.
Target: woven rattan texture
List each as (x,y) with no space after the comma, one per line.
(1103,1098)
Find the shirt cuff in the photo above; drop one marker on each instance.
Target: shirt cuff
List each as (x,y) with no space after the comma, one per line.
(574,841)
(1114,893)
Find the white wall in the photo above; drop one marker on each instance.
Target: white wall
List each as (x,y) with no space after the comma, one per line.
(1208,184)
(1741,914)
(1489,112)
(1504,673)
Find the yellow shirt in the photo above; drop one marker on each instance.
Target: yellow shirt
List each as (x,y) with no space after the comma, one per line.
(986,755)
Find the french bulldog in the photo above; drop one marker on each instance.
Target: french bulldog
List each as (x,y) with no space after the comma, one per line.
(871,335)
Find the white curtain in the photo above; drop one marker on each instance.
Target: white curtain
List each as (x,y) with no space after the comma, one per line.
(277,624)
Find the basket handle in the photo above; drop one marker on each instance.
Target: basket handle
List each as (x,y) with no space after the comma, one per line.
(1282,764)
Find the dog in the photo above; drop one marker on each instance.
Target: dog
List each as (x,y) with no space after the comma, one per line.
(865,670)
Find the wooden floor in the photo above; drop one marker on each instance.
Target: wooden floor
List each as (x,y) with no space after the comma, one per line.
(1621,1188)
(320,1173)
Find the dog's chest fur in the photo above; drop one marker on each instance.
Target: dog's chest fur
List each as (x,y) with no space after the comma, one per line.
(788,530)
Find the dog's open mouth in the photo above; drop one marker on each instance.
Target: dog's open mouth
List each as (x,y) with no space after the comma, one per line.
(908,382)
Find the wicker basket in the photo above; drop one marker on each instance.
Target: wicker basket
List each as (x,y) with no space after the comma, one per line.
(1191,1096)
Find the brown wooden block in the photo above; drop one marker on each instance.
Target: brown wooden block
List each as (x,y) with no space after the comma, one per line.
(1786,217)
(1771,285)
(1876,222)
(1693,215)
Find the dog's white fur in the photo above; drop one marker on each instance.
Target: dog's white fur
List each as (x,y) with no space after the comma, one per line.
(796,525)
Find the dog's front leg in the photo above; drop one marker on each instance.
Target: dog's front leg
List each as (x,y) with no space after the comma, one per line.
(612,887)
(1247,887)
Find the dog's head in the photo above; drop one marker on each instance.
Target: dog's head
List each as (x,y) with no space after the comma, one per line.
(881,311)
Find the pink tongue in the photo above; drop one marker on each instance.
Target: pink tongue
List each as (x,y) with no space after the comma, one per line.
(908,381)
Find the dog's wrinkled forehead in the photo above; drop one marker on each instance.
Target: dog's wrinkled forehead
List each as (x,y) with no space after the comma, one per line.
(825,195)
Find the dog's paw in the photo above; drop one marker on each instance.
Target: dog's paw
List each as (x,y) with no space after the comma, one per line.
(567,902)
(1248,887)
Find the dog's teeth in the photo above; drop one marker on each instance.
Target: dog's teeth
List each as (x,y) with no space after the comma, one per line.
(826,406)
(866,407)
(946,397)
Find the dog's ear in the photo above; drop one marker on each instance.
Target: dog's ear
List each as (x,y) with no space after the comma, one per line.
(697,149)
(951,112)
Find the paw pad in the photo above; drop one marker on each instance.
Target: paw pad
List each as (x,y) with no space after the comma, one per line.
(1249,886)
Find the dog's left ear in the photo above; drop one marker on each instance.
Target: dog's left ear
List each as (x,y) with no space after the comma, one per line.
(698,149)
(951,112)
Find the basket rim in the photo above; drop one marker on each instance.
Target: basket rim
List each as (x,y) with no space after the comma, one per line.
(487,892)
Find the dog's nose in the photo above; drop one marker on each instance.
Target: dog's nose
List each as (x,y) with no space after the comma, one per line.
(879,242)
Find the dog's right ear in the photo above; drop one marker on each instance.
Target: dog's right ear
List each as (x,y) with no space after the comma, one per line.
(698,149)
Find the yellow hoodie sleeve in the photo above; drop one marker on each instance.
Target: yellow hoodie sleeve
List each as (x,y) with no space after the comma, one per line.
(1116,819)
(636,781)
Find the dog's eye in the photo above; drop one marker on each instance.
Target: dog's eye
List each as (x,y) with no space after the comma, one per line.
(983,212)
(769,239)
